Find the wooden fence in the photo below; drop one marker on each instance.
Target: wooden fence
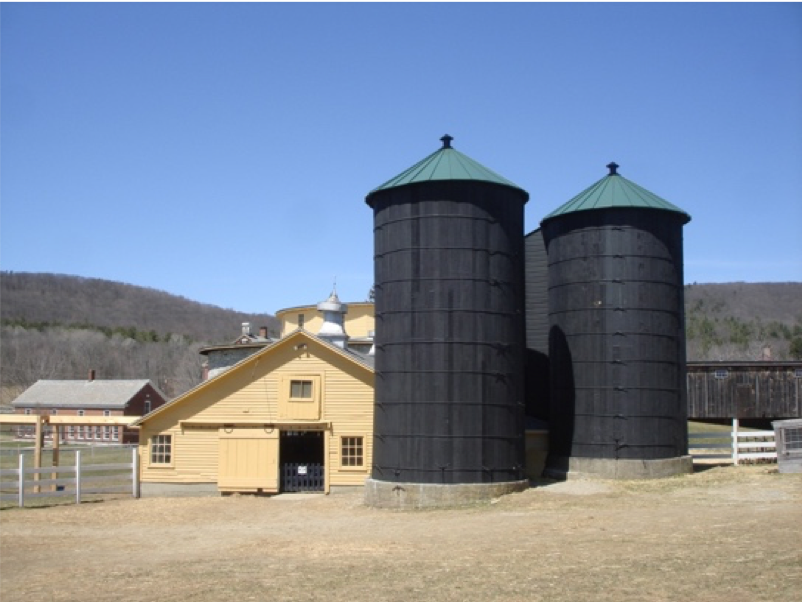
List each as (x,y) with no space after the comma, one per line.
(77,480)
(741,446)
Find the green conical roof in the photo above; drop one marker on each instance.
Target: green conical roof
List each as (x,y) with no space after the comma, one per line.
(615,191)
(445,163)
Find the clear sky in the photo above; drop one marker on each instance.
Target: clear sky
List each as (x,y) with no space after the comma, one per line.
(223,152)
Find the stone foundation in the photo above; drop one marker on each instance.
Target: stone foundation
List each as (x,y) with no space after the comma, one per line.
(178,489)
(609,468)
(413,496)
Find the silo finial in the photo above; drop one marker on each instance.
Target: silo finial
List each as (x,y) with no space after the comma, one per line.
(613,167)
(447,141)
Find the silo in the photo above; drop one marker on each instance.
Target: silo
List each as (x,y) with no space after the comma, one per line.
(616,333)
(449,341)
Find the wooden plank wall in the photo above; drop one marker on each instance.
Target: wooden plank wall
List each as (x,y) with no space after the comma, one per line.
(753,390)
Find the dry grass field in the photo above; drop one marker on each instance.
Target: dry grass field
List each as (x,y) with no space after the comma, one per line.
(724,534)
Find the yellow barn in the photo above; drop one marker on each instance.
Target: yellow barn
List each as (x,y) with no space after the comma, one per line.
(294,416)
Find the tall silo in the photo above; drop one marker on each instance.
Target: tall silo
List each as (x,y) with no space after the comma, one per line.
(449,342)
(617,333)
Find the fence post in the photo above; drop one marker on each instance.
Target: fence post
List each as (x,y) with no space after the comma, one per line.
(21,493)
(55,457)
(135,468)
(37,450)
(77,476)
(735,441)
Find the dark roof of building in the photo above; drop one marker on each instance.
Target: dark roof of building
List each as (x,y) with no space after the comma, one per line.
(446,163)
(615,191)
(96,394)
(254,344)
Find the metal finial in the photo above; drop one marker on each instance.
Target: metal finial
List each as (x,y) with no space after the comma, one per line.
(447,141)
(613,168)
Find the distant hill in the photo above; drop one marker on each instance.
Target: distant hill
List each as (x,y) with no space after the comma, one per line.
(58,326)
(735,321)
(58,299)
(55,326)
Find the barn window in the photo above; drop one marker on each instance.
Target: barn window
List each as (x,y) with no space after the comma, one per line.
(352,451)
(301,389)
(721,374)
(80,412)
(300,397)
(107,412)
(161,449)
(27,411)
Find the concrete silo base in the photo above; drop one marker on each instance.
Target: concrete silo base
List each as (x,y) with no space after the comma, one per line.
(609,468)
(413,496)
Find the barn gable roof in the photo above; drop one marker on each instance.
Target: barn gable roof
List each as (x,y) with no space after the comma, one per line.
(88,394)
(296,337)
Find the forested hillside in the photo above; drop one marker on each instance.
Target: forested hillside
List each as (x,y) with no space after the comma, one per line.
(735,321)
(57,299)
(55,326)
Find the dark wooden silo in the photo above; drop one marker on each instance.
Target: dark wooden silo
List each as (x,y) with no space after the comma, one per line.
(617,333)
(537,325)
(448,236)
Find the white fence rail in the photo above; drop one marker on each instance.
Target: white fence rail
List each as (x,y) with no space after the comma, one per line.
(741,445)
(79,480)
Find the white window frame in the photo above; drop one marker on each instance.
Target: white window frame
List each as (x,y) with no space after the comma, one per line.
(160,451)
(355,446)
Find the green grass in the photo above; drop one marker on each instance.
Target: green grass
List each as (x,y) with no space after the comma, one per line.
(98,455)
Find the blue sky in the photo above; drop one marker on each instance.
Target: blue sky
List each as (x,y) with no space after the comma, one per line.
(223,152)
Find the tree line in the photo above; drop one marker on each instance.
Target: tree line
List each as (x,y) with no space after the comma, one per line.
(55,326)
(60,327)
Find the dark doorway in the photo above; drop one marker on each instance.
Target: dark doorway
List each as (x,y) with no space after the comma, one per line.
(301,458)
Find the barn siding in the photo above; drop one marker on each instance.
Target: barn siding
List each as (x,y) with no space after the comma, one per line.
(536,292)
(750,390)
(249,394)
(359,320)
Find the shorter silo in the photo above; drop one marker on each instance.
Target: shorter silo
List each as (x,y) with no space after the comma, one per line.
(616,334)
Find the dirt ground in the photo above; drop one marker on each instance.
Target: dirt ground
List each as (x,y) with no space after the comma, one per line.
(723,534)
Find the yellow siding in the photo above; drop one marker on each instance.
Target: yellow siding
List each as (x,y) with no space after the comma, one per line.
(290,408)
(359,321)
(195,453)
(250,393)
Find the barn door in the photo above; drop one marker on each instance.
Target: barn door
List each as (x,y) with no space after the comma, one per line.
(248,460)
(302,466)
